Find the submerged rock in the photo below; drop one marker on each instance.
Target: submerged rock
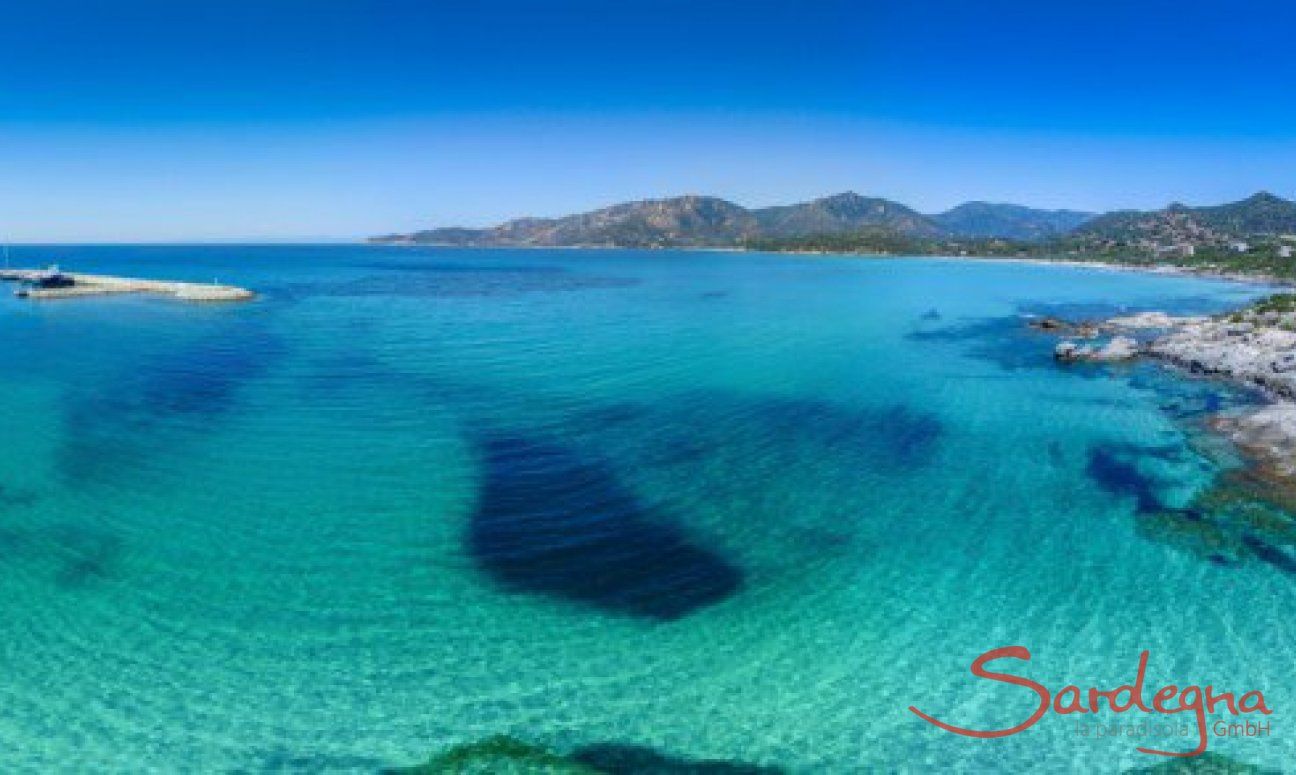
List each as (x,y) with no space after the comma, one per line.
(1246,350)
(1193,533)
(1246,516)
(504,755)
(498,755)
(1268,434)
(1052,325)
(1070,351)
(1235,521)
(1267,439)
(556,521)
(621,759)
(1255,347)
(1209,763)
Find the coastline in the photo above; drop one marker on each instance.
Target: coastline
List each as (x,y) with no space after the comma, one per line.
(1168,269)
(1254,348)
(1239,347)
(1244,515)
(1160,269)
(1079,263)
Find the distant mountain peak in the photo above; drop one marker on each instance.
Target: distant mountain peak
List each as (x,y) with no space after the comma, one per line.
(845,197)
(842,214)
(1261,214)
(978,219)
(1265,197)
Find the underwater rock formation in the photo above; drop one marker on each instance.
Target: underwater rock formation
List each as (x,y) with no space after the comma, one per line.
(504,755)
(1247,514)
(1190,532)
(1232,522)
(1209,763)
(1053,325)
(618,759)
(1228,524)
(553,522)
(498,755)
(1268,434)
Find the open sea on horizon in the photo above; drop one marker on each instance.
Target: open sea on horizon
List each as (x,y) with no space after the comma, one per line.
(680,506)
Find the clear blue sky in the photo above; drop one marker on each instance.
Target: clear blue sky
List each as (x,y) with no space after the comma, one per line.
(129,120)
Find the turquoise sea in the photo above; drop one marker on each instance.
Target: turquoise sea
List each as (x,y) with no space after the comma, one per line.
(652,506)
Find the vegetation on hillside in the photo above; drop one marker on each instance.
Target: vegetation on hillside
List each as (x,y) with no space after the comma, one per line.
(1261,257)
(1256,235)
(889,243)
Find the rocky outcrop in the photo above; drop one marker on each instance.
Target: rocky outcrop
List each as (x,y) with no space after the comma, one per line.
(1239,349)
(1051,325)
(1120,348)
(1255,347)
(1150,321)
(1268,434)
(1246,514)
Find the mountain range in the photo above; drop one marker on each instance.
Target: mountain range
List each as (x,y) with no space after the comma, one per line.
(704,221)
(1260,215)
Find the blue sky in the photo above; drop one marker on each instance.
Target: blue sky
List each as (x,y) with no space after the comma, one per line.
(132,120)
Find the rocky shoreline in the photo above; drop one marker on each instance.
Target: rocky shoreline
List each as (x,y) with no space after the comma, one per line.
(1246,515)
(1254,347)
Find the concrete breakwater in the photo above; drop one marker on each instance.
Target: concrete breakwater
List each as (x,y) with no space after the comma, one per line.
(97,285)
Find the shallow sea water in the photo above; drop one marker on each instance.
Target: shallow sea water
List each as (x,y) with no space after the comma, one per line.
(724,507)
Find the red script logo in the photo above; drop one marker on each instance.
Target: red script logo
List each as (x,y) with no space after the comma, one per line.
(1068,700)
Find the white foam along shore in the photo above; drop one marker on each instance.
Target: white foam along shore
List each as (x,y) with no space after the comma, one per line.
(97,285)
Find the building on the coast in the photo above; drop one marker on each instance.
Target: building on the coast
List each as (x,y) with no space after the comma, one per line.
(1239,246)
(1284,251)
(1185,250)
